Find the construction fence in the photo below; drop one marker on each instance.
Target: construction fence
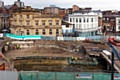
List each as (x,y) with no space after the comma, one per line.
(8,75)
(66,76)
(94,38)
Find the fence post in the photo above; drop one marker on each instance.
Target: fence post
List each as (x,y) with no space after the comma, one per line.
(37,76)
(74,76)
(93,75)
(55,76)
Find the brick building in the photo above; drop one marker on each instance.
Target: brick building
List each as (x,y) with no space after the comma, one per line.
(111,20)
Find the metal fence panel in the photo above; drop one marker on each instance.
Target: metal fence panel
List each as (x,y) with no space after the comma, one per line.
(8,75)
(102,76)
(28,76)
(64,76)
(70,38)
(46,76)
(48,38)
(95,38)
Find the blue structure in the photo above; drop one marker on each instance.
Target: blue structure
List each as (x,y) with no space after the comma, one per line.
(23,37)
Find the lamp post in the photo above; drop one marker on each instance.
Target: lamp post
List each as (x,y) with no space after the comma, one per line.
(114,52)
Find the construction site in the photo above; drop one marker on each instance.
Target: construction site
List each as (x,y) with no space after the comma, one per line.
(57,56)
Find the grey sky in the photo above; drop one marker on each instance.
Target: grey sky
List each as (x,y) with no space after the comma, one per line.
(95,4)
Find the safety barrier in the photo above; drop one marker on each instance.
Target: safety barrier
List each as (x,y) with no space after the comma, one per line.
(66,76)
(8,75)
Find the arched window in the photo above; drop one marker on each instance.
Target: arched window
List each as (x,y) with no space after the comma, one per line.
(37,32)
(80,20)
(57,32)
(43,31)
(50,31)
(91,19)
(27,32)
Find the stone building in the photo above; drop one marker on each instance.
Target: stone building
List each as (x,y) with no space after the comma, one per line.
(28,21)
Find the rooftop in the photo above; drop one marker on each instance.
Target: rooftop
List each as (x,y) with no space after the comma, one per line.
(47,16)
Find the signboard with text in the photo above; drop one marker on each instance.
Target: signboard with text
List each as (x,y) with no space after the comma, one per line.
(83,75)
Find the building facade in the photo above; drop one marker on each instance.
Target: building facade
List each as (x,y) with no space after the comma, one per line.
(5,14)
(85,23)
(117,28)
(111,20)
(67,29)
(111,23)
(29,21)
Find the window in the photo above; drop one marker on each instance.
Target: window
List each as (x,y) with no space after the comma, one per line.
(119,21)
(43,22)
(119,27)
(103,18)
(15,16)
(14,23)
(43,32)
(76,19)
(50,22)
(67,31)
(91,19)
(107,19)
(77,26)
(20,16)
(67,26)
(79,19)
(87,20)
(92,26)
(27,32)
(20,23)
(70,19)
(84,20)
(57,32)
(36,22)
(84,26)
(57,22)
(80,26)
(27,16)
(50,31)
(37,32)
(108,27)
(27,23)
(87,25)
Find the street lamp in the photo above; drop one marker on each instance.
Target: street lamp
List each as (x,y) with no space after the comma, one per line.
(114,52)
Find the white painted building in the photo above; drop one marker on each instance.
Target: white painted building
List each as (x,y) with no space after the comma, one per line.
(67,29)
(85,23)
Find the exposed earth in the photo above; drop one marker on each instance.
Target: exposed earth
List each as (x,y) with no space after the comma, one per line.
(54,49)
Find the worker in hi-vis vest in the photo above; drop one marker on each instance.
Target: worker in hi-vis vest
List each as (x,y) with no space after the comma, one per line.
(7,43)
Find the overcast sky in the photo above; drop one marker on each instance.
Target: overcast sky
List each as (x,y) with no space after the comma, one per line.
(95,4)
